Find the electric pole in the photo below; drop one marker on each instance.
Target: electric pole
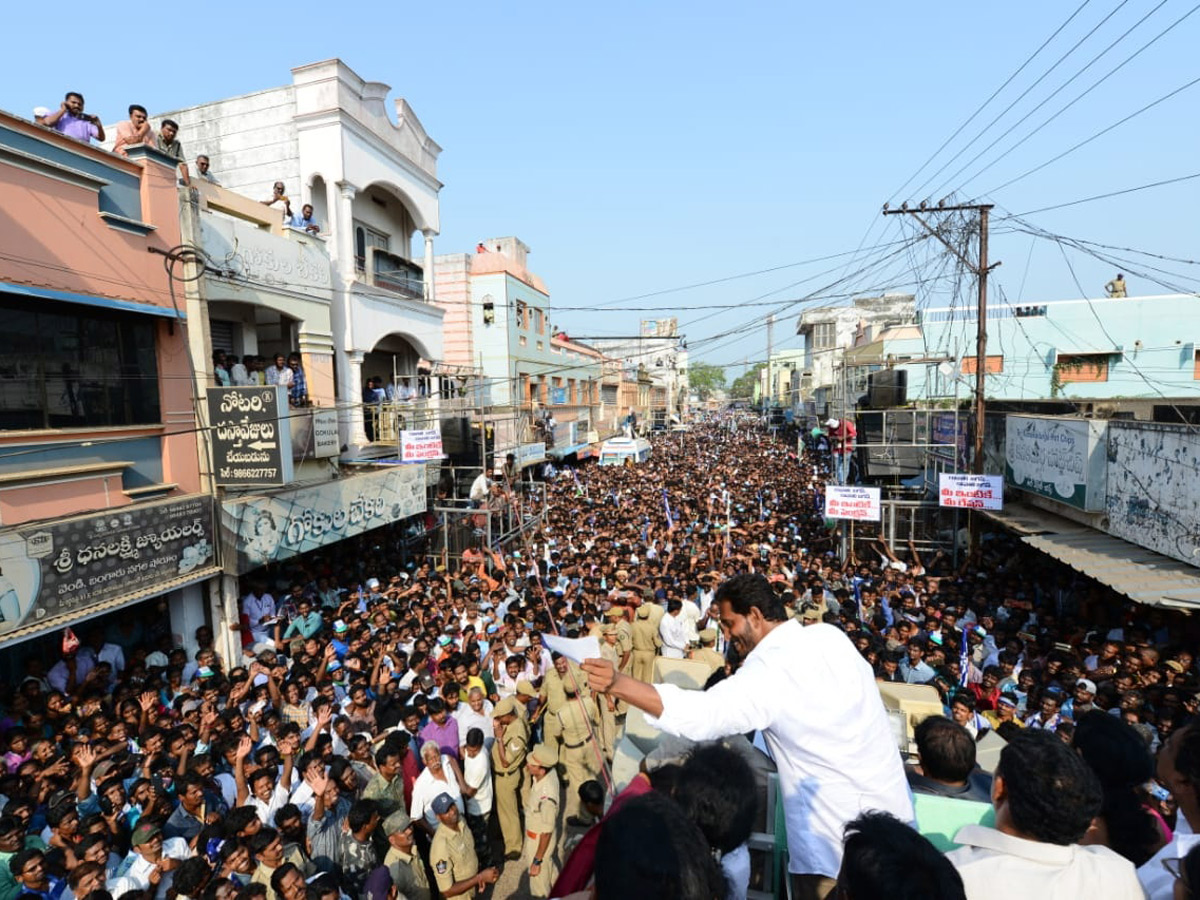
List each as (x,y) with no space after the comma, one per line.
(768,400)
(980,270)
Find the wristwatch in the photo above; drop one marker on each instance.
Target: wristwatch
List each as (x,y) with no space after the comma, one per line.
(537,862)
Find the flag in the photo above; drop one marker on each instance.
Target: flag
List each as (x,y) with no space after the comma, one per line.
(578,489)
(667,506)
(964,660)
(70,643)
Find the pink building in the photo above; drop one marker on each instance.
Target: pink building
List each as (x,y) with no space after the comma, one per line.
(102,502)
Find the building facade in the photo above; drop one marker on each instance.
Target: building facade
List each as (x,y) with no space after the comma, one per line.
(372,184)
(104,508)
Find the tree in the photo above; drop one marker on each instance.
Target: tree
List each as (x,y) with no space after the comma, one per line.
(744,386)
(705,379)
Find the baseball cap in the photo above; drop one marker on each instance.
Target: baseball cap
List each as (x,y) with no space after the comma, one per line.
(1008,699)
(145,833)
(373,583)
(1087,684)
(340,626)
(442,803)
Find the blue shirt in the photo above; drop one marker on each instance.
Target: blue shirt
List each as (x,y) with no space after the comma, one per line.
(921,673)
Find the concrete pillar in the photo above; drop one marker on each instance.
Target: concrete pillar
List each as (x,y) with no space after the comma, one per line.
(353,373)
(349,372)
(430,294)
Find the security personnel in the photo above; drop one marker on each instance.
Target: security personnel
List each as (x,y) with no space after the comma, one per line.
(1116,287)
(541,820)
(559,678)
(608,708)
(508,758)
(706,652)
(646,641)
(616,617)
(403,861)
(452,853)
(579,721)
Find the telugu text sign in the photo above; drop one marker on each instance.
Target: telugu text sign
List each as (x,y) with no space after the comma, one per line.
(251,435)
(63,568)
(971,491)
(286,523)
(420,445)
(849,502)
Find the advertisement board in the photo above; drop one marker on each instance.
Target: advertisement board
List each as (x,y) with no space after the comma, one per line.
(266,529)
(56,570)
(971,491)
(843,501)
(420,445)
(1058,458)
(251,445)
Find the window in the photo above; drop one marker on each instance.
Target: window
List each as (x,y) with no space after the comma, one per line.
(993,365)
(572,397)
(1077,368)
(364,237)
(608,394)
(63,366)
(522,319)
(825,335)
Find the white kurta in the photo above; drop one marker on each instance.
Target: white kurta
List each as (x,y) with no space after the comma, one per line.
(1000,866)
(815,701)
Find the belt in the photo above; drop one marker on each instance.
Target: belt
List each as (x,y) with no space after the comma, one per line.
(575,746)
(506,774)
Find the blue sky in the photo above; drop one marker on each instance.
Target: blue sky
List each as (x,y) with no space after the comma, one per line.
(643,147)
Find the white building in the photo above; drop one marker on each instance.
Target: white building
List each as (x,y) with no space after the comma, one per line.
(657,356)
(829,331)
(329,138)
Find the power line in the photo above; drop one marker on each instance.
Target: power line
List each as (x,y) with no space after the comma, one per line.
(1120,193)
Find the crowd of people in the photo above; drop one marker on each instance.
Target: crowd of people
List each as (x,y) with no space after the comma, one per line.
(398,726)
(286,371)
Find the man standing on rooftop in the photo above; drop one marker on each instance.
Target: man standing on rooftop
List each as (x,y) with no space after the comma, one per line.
(814,699)
(71,120)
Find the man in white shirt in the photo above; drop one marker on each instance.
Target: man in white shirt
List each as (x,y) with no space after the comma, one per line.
(1045,798)
(671,630)
(814,700)
(476,713)
(1179,772)
(151,852)
(477,776)
(259,608)
(279,373)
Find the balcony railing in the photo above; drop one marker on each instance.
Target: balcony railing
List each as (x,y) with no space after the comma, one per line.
(395,273)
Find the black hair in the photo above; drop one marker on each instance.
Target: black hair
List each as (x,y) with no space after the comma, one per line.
(137,107)
(70,94)
(716,790)
(649,848)
(883,857)
(947,750)
(360,813)
(171,122)
(20,859)
(284,870)
(238,818)
(192,875)
(591,791)
(1190,865)
(261,839)
(287,811)
(751,590)
(474,737)
(1052,795)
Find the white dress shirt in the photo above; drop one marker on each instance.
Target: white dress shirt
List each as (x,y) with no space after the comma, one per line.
(477,773)
(671,630)
(256,609)
(426,789)
(814,700)
(998,865)
(1158,883)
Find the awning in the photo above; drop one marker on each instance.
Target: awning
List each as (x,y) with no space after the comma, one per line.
(1140,574)
(564,452)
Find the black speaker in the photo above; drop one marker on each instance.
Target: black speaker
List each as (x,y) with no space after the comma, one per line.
(456,436)
(887,388)
(890,450)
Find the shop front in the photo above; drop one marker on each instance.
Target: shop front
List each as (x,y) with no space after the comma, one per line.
(67,572)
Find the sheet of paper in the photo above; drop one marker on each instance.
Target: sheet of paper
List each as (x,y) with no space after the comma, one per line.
(574,649)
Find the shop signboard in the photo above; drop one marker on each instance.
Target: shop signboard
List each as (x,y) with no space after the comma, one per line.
(314,433)
(249,445)
(56,571)
(971,491)
(844,501)
(528,454)
(421,445)
(270,528)
(1062,459)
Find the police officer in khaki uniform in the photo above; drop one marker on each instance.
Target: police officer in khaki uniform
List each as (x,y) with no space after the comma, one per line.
(646,642)
(579,721)
(608,708)
(706,653)
(403,862)
(541,820)
(559,678)
(619,621)
(508,759)
(452,853)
